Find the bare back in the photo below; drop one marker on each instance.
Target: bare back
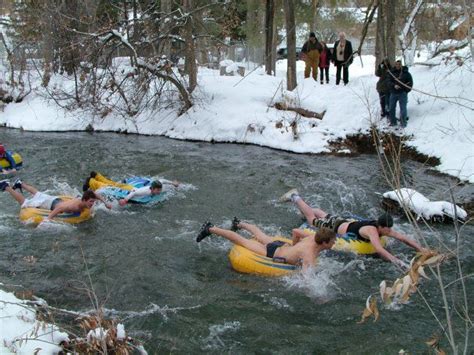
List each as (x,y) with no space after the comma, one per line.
(74,205)
(304,252)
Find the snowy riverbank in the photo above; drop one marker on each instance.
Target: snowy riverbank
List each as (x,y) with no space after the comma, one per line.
(229,109)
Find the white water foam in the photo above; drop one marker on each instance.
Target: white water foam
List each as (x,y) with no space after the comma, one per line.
(152,308)
(214,340)
(318,283)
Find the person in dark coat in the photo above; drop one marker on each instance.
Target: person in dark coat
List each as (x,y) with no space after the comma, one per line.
(310,54)
(401,83)
(324,60)
(342,57)
(383,85)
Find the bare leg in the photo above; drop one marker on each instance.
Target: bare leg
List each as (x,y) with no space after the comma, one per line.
(257,232)
(16,195)
(235,238)
(309,213)
(29,188)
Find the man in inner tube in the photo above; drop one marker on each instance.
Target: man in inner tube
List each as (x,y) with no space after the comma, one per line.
(53,203)
(155,188)
(304,250)
(366,230)
(4,154)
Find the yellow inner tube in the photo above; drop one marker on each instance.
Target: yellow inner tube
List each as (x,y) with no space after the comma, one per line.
(100,181)
(248,262)
(4,163)
(35,216)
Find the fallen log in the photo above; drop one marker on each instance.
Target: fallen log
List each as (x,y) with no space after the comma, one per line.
(303,112)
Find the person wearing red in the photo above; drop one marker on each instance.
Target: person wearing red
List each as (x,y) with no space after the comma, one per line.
(324,60)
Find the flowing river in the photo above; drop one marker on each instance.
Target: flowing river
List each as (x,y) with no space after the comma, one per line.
(177,296)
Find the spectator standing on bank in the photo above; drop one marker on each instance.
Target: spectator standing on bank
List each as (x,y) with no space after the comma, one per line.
(401,83)
(342,57)
(310,53)
(324,60)
(383,85)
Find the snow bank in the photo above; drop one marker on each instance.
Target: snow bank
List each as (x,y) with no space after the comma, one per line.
(232,109)
(423,207)
(21,332)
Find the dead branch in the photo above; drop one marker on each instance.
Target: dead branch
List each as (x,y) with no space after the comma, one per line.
(303,112)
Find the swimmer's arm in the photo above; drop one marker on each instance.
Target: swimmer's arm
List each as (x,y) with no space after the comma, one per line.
(127,198)
(298,234)
(55,212)
(103,200)
(375,240)
(309,261)
(404,239)
(175,183)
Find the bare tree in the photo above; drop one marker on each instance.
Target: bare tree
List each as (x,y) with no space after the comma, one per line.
(314,13)
(467,15)
(391,30)
(408,35)
(165,44)
(291,44)
(190,61)
(269,15)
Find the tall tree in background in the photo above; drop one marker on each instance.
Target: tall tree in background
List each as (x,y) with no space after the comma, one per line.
(385,43)
(391,30)
(269,15)
(190,66)
(165,19)
(314,14)
(291,44)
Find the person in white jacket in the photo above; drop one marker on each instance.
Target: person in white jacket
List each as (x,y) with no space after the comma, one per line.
(155,188)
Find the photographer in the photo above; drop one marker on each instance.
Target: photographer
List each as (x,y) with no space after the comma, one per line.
(383,85)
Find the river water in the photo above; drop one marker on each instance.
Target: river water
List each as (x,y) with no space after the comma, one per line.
(178,296)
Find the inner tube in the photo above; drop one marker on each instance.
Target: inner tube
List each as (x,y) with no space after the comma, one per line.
(248,262)
(35,216)
(119,190)
(5,164)
(349,243)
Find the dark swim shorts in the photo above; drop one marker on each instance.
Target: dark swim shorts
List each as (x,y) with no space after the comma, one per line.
(273,246)
(330,221)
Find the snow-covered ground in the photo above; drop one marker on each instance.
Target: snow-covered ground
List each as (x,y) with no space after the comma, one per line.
(22,333)
(232,109)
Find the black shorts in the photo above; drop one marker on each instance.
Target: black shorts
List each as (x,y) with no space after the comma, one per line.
(330,221)
(273,246)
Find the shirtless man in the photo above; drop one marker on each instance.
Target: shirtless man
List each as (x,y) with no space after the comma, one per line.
(155,188)
(369,231)
(304,251)
(48,202)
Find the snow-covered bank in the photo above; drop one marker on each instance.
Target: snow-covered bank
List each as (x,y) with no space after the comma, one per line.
(229,109)
(22,333)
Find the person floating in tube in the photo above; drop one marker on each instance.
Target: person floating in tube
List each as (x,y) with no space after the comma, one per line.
(155,188)
(303,251)
(368,231)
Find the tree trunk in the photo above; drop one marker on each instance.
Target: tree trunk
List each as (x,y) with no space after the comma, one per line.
(165,43)
(291,44)
(269,15)
(314,13)
(391,30)
(467,14)
(380,45)
(274,48)
(190,61)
